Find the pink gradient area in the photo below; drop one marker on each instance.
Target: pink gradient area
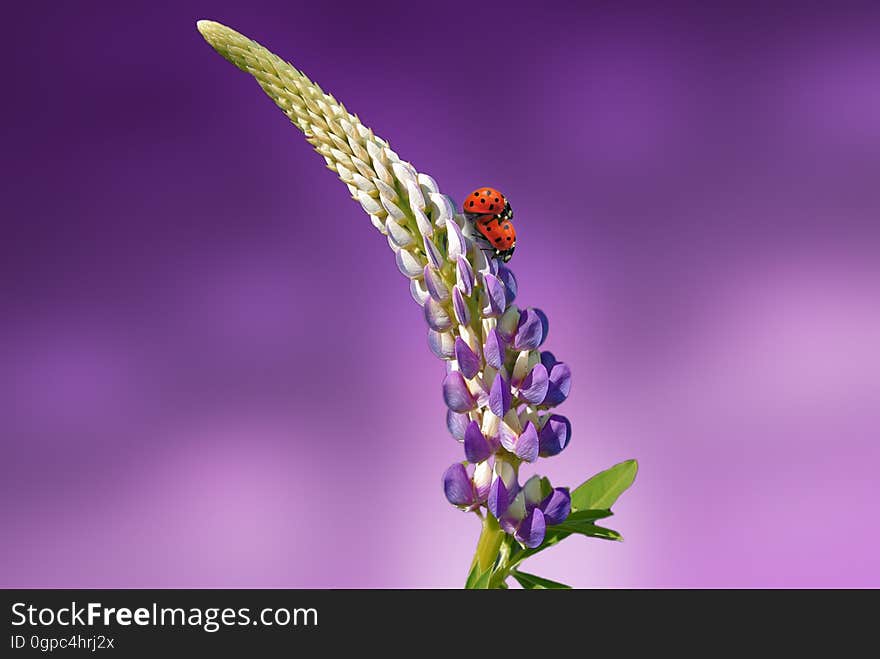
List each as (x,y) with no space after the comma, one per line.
(213,374)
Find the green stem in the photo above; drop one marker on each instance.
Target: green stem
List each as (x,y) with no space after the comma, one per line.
(488,544)
(493,551)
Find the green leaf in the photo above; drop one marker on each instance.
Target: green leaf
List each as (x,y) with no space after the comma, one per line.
(578,522)
(584,528)
(602,490)
(588,515)
(532,582)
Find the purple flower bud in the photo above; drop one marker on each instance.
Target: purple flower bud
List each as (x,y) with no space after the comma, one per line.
(408,264)
(499,397)
(559,384)
(524,445)
(482,481)
(529,332)
(456,394)
(494,300)
(458,487)
(436,316)
(441,344)
(498,498)
(476,448)
(534,386)
(464,276)
(507,437)
(460,307)
(556,506)
(397,234)
(468,362)
(494,349)
(435,285)
(527,444)
(432,252)
(508,323)
(505,274)
(532,491)
(548,359)
(554,436)
(457,424)
(506,472)
(545,323)
(418,291)
(457,245)
(532,529)
(423,223)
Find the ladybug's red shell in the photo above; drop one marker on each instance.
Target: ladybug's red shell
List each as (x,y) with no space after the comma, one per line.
(500,234)
(485,201)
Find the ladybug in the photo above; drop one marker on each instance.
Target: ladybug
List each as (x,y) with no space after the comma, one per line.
(492,216)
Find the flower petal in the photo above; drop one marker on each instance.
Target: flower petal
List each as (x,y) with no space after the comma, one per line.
(548,359)
(442,208)
(441,343)
(529,332)
(476,448)
(534,387)
(545,324)
(418,291)
(408,264)
(436,316)
(507,436)
(532,529)
(457,486)
(557,506)
(460,307)
(482,480)
(468,362)
(432,253)
(508,323)
(505,274)
(494,349)
(414,194)
(499,396)
(532,491)
(527,444)
(464,276)
(554,436)
(437,288)
(456,394)
(423,223)
(559,385)
(456,245)
(497,502)
(457,424)
(398,234)
(494,300)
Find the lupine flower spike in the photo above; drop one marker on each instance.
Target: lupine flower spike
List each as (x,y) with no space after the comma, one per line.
(500,388)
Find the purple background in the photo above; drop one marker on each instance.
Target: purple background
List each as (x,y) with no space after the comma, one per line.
(213,374)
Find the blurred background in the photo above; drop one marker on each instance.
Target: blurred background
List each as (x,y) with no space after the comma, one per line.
(213,374)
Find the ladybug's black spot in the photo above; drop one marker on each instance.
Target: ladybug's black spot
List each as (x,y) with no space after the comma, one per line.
(498,239)
(507,227)
(476,194)
(491,207)
(497,200)
(472,203)
(508,238)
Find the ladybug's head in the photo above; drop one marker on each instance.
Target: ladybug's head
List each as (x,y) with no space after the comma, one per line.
(505,255)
